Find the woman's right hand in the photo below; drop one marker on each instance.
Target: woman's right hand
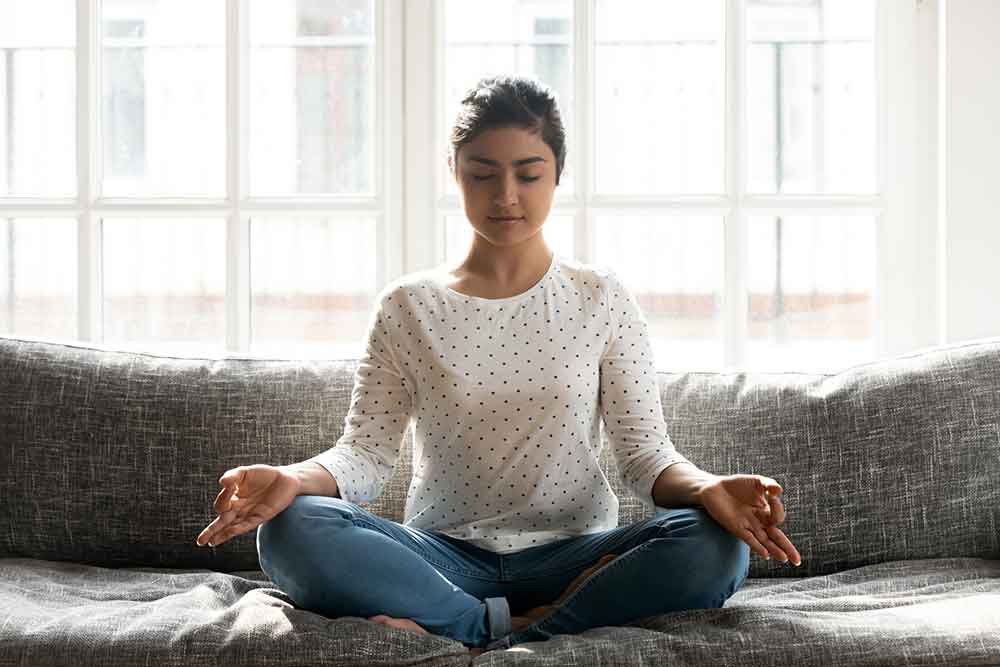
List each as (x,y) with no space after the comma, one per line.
(250,496)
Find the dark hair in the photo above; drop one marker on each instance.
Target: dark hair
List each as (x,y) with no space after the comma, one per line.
(508,100)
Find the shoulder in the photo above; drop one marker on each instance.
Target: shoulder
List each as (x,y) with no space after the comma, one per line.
(601,279)
(411,286)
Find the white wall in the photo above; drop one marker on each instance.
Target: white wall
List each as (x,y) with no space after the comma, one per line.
(972,180)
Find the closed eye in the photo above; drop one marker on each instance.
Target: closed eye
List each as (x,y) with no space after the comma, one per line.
(527,179)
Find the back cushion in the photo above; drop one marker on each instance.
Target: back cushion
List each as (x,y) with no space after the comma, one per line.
(893,460)
(112,458)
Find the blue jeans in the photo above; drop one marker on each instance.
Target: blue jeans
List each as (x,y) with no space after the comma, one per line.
(332,557)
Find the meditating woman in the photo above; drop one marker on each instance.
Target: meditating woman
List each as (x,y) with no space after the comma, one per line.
(507,363)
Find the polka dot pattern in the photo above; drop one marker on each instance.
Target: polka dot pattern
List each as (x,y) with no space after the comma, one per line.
(507,398)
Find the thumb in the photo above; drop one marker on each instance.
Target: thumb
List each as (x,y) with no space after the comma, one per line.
(761,488)
(768,485)
(233,476)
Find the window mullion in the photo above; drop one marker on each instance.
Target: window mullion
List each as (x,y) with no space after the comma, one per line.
(734,316)
(390,131)
(884,219)
(583,139)
(423,89)
(906,304)
(89,318)
(237,222)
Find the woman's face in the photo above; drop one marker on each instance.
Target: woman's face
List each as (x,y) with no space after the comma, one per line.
(506,173)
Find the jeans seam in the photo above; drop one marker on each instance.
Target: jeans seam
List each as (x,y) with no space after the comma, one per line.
(542,622)
(431,561)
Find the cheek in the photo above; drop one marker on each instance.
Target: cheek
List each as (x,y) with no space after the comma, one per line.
(471,194)
(538,198)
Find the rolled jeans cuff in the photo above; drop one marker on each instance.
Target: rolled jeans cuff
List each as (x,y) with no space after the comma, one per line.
(498,612)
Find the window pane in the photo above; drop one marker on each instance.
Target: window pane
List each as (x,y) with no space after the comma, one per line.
(660,97)
(811,109)
(313,286)
(163,92)
(673,267)
(811,286)
(165,283)
(38,266)
(533,37)
(312,97)
(38,98)
(558,232)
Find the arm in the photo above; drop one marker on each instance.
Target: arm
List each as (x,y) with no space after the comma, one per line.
(359,464)
(631,407)
(681,485)
(314,479)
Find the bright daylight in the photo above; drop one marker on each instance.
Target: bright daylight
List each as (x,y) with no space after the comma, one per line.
(454,332)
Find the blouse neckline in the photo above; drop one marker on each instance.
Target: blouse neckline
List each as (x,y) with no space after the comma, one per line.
(516,297)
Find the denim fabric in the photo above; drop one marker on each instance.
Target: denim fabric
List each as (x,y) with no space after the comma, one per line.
(330,556)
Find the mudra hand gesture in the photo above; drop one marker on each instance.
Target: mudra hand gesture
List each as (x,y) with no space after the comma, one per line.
(748,506)
(250,495)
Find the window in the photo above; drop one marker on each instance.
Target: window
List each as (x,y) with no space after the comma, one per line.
(246,183)
(723,159)
(227,195)
(37,96)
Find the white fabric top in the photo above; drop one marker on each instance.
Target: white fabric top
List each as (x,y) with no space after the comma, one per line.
(507,397)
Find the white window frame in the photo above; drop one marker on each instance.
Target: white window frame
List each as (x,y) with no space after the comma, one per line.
(906,313)
(409,213)
(89,207)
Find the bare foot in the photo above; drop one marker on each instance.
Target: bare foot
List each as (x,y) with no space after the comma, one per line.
(401,623)
(583,576)
(409,624)
(533,614)
(516,622)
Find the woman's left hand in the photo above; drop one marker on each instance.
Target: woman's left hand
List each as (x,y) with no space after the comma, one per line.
(748,506)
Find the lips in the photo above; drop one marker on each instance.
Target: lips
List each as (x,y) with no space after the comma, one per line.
(505,219)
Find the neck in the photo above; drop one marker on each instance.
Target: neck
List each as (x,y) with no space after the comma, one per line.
(506,267)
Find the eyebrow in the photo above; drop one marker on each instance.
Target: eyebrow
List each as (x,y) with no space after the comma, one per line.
(516,163)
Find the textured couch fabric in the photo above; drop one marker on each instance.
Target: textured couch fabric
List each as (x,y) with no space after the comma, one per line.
(109,462)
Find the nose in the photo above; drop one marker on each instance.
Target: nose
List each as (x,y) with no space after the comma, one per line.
(507,194)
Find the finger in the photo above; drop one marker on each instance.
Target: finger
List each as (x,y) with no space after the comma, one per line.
(771,484)
(763,497)
(237,528)
(755,545)
(205,536)
(786,545)
(769,544)
(765,516)
(210,534)
(221,503)
(777,510)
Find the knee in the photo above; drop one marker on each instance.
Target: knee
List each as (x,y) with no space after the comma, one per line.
(721,557)
(288,530)
(729,554)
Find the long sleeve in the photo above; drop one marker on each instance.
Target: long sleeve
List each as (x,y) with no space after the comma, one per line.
(630,396)
(362,460)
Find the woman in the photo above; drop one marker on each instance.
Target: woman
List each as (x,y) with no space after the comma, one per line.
(507,363)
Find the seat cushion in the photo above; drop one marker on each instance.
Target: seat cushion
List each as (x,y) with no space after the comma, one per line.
(938,611)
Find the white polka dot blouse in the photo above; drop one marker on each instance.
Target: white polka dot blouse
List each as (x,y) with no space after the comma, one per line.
(506,397)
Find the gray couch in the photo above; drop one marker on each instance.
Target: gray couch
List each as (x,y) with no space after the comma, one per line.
(109,462)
